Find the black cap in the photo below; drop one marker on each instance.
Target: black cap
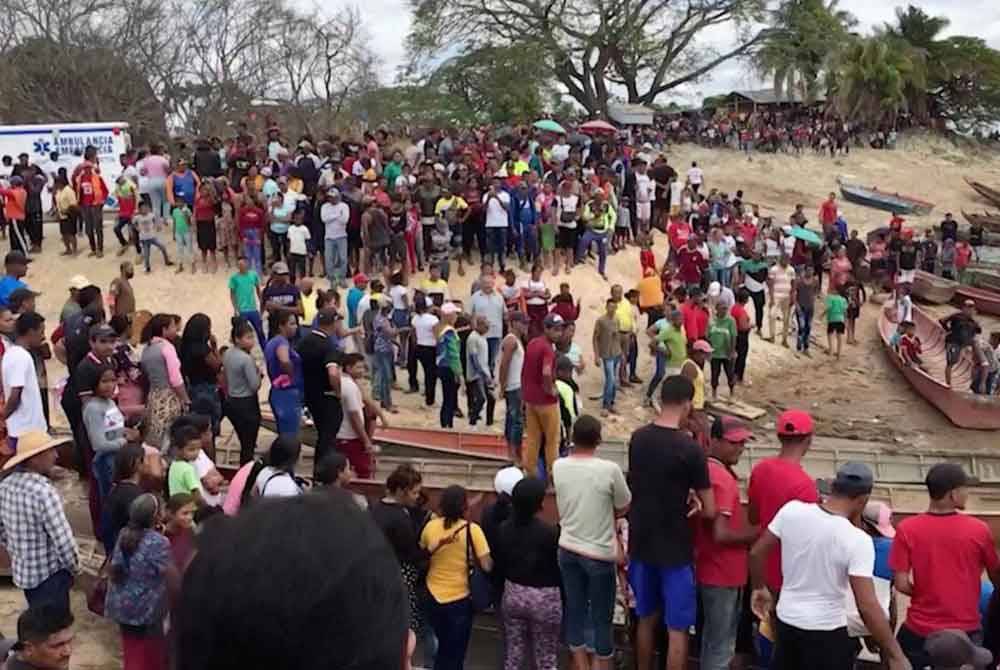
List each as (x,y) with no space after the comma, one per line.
(952,649)
(943,478)
(16,258)
(102,331)
(853,479)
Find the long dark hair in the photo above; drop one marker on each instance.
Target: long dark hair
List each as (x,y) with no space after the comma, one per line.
(127,461)
(197,332)
(453,505)
(527,497)
(141,517)
(155,327)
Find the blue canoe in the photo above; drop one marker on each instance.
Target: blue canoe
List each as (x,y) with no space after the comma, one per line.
(891,202)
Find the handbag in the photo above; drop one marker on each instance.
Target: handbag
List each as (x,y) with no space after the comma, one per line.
(479,585)
(99,591)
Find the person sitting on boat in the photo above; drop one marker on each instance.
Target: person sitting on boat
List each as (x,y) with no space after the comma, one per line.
(961,329)
(910,347)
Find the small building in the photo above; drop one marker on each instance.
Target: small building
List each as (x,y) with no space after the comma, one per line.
(631,114)
(766,98)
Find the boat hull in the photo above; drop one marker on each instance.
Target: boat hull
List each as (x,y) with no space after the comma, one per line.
(963,408)
(933,289)
(987,302)
(989,222)
(989,194)
(890,202)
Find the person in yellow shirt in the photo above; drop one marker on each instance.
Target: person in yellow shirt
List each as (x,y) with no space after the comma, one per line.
(309,297)
(450,539)
(434,286)
(626,325)
(454,211)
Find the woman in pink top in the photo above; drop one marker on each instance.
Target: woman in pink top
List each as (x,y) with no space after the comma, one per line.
(840,269)
(154,168)
(168,397)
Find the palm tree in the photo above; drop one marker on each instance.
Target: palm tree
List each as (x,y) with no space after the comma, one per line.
(807,34)
(874,77)
(918,28)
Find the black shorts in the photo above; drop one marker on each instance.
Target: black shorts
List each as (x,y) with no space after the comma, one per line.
(566,238)
(67,226)
(798,649)
(853,313)
(838,327)
(206,235)
(353,238)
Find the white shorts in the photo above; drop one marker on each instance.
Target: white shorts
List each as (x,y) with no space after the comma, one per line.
(643,210)
(906,276)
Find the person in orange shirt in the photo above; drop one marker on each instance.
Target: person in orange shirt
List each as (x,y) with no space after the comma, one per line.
(91,192)
(963,257)
(15,203)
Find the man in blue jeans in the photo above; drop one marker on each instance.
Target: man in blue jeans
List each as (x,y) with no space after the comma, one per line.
(608,354)
(665,466)
(33,524)
(497,205)
(244,291)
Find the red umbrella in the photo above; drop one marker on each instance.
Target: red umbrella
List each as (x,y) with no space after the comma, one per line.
(598,128)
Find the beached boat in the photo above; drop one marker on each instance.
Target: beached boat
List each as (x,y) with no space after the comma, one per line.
(987,302)
(933,289)
(891,202)
(990,194)
(989,222)
(984,278)
(962,407)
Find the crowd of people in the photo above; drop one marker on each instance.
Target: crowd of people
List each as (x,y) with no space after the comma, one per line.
(371,220)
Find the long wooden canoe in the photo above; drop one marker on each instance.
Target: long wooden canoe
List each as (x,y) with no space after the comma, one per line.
(962,407)
(933,289)
(990,194)
(987,302)
(892,202)
(983,278)
(989,222)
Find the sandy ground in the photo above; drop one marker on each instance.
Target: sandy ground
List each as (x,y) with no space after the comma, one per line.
(858,397)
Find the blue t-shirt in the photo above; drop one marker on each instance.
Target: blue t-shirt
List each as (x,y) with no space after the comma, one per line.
(8,285)
(354,296)
(882,547)
(274,369)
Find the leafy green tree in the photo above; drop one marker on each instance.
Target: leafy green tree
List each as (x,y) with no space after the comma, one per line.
(872,79)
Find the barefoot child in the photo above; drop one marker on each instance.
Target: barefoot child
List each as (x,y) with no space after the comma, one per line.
(181,215)
(836,314)
(623,225)
(910,346)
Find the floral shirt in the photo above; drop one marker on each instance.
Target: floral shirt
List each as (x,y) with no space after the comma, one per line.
(140,599)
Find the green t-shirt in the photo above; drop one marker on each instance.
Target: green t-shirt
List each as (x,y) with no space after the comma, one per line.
(244,286)
(182,478)
(676,341)
(180,216)
(836,308)
(722,336)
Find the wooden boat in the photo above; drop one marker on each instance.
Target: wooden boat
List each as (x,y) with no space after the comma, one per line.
(933,289)
(983,278)
(987,302)
(891,202)
(962,407)
(990,194)
(989,222)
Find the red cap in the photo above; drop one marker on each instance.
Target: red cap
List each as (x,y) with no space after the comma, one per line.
(732,429)
(793,422)
(361,278)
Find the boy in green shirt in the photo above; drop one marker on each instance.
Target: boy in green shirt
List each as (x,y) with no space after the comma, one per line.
(182,476)
(722,337)
(182,233)
(836,315)
(244,292)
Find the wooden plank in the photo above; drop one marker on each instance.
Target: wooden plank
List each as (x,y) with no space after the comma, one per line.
(736,407)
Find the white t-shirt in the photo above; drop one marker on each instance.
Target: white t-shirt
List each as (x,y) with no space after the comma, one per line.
(202,466)
(788,243)
(567,203)
(19,372)
(781,281)
(496,215)
(350,401)
(398,295)
(643,188)
(423,326)
(335,218)
(297,236)
(588,491)
(696,176)
(272,483)
(820,551)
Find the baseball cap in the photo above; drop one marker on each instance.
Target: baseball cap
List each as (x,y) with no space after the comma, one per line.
(101,331)
(16,258)
(878,515)
(853,479)
(19,294)
(714,289)
(360,278)
(731,429)
(280,268)
(794,422)
(702,346)
(333,193)
(553,321)
(78,282)
(449,308)
(506,478)
(952,649)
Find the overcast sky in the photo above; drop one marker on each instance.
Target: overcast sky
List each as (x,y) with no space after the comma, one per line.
(388,22)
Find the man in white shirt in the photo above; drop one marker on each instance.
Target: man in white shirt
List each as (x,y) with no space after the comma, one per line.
(277,480)
(352,438)
(335,216)
(22,410)
(487,302)
(497,203)
(779,292)
(424,323)
(644,191)
(696,177)
(822,556)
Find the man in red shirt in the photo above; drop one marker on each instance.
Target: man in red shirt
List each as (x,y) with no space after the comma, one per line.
(938,559)
(541,404)
(828,213)
(690,263)
(722,545)
(695,315)
(678,232)
(776,481)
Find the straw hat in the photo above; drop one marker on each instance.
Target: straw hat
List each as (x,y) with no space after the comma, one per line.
(31,444)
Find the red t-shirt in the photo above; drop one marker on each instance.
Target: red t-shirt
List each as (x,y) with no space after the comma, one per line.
(910,347)
(695,321)
(678,232)
(87,195)
(947,554)
(126,206)
(963,255)
(538,357)
(689,265)
(204,208)
(251,218)
(748,232)
(828,213)
(721,564)
(647,260)
(739,313)
(774,482)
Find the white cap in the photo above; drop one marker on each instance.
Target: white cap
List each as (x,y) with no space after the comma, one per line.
(265,171)
(78,282)
(449,308)
(506,479)
(714,289)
